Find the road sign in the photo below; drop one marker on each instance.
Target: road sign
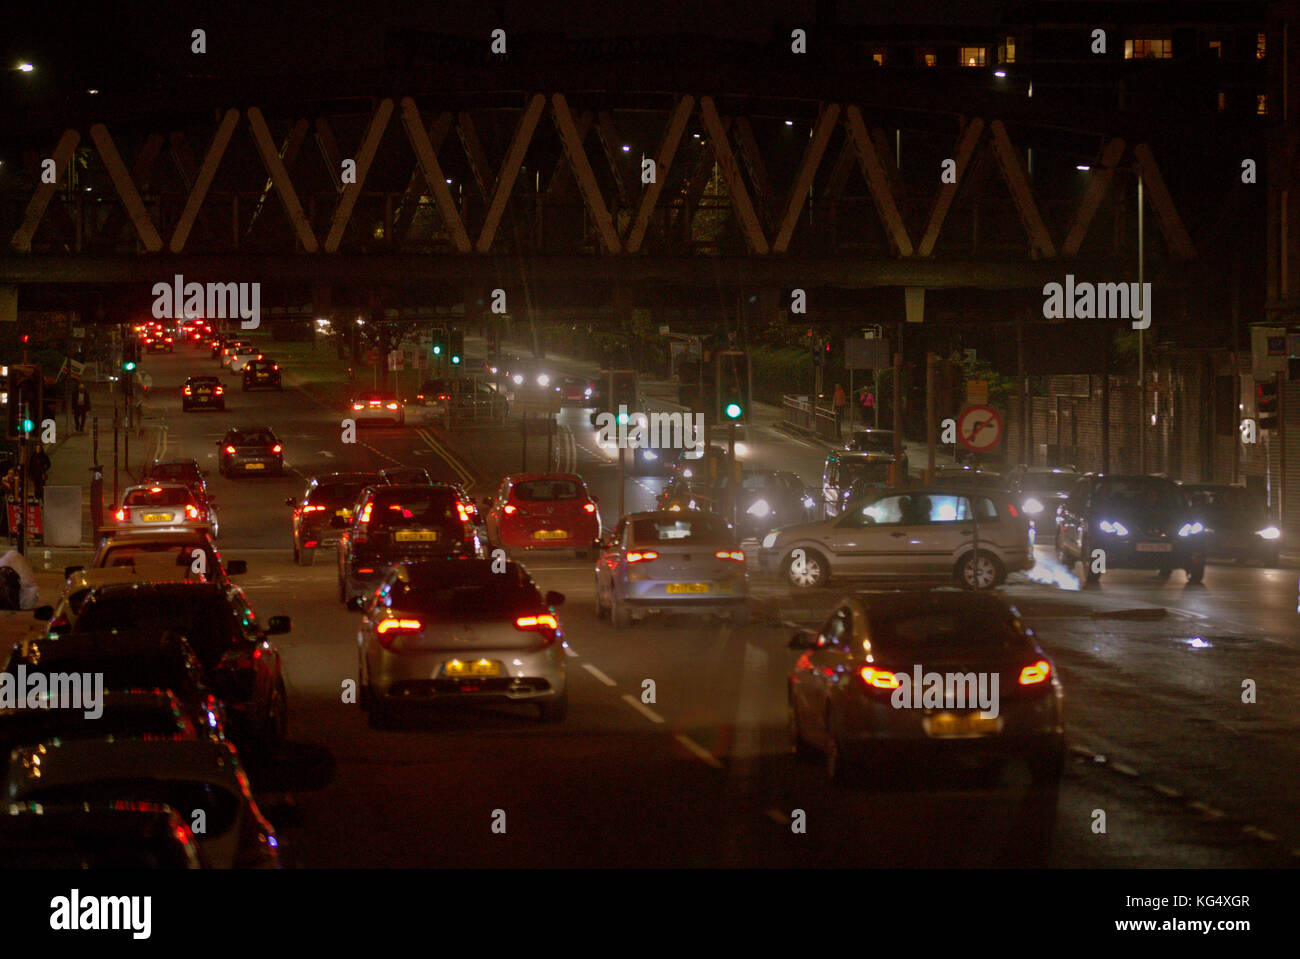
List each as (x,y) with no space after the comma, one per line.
(977,392)
(979,428)
(867,354)
(545,401)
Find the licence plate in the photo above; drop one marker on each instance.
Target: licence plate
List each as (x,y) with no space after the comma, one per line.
(961,725)
(203,392)
(254,466)
(482,667)
(687,588)
(157,517)
(1155,547)
(416,536)
(551,534)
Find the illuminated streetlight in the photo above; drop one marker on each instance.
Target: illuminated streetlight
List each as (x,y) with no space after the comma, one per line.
(26,67)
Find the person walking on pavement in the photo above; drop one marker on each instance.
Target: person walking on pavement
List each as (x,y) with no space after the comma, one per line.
(9,487)
(868,401)
(840,401)
(80,406)
(38,468)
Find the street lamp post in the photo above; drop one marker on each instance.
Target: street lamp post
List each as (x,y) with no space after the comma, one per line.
(1142,311)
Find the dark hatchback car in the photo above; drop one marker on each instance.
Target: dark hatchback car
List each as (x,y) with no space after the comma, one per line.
(324,510)
(263,374)
(767,499)
(114,835)
(203,393)
(186,472)
(398,524)
(1136,522)
(1237,523)
(250,452)
(241,665)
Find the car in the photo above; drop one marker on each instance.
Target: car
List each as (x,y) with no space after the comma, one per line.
(665,561)
(323,511)
(462,395)
(871,440)
(80,581)
(767,498)
(856,691)
(184,471)
(228,349)
(124,661)
(143,550)
(1136,522)
(464,632)
(160,343)
(852,476)
(165,506)
(116,835)
(262,373)
(241,356)
(397,524)
(966,476)
(578,391)
(383,406)
(1039,490)
(543,511)
(202,392)
(253,449)
(915,533)
(180,773)
(236,655)
(406,476)
(702,463)
(1238,525)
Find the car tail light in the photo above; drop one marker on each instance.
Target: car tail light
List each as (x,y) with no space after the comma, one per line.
(276,448)
(58,622)
(1036,673)
(508,509)
(736,554)
(357,406)
(641,556)
(259,356)
(546,624)
(365,513)
(392,406)
(389,629)
(275,366)
(169,339)
(192,512)
(218,391)
(311,544)
(230,450)
(120,515)
(878,678)
(419,396)
(1011,508)
(313,509)
(466,512)
(589,507)
(188,391)
(444,396)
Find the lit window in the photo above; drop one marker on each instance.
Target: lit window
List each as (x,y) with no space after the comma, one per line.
(972,56)
(1222,101)
(1259,46)
(1161,48)
(931,59)
(878,59)
(1216,47)
(1261,104)
(1007,51)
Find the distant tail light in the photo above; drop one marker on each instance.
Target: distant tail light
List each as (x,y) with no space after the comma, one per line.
(589,507)
(444,396)
(642,556)
(546,624)
(311,544)
(509,510)
(230,450)
(120,515)
(1036,673)
(218,391)
(392,406)
(313,509)
(735,554)
(275,366)
(357,406)
(879,678)
(188,391)
(277,448)
(419,396)
(192,512)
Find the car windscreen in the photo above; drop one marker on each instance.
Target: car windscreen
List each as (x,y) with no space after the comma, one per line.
(871,471)
(1221,500)
(159,554)
(874,442)
(164,497)
(683,530)
(414,509)
(545,491)
(337,494)
(220,805)
(1140,494)
(253,438)
(192,613)
(496,598)
(1048,482)
(968,632)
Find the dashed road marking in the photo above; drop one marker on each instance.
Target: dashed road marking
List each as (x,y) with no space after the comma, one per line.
(1166,791)
(778,817)
(598,674)
(642,708)
(1122,768)
(698,751)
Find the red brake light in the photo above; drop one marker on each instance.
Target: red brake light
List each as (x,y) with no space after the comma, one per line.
(1035,673)
(230,449)
(219,390)
(736,554)
(508,509)
(365,513)
(310,544)
(188,391)
(392,406)
(313,509)
(879,678)
(192,512)
(641,556)
(357,406)
(546,624)
(155,489)
(276,448)
(275,366)
(400,625)
(589,507)
(120,515)
(1011,508)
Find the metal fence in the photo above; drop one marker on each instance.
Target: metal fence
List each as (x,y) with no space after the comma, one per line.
(803,414)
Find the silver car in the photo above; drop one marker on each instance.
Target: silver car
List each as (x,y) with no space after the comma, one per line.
(928,675)
(924,533)
(663,560)
(165,506)
(456,630)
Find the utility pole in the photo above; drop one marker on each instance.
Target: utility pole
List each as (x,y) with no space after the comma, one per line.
(931,363)
(1142,380)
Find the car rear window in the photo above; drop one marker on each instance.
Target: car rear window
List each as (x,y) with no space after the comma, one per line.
(162,554)
(489,599)
(253,438)
(868,471)
(414,509)
(337,494)
(541,491)
(164,497)
(193,613)
(978,632)
(874,442)
(686,530)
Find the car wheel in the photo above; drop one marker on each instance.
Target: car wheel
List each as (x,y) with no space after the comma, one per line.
(839,765)
(619,612)
(1196,571)
(380,713)
(811,573)
(979,571)
(554,711)
(308,556)
(740,616)
(1273,560)
(799,747)
(602,611)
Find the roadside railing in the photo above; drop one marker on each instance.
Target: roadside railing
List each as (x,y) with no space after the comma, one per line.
(802,413)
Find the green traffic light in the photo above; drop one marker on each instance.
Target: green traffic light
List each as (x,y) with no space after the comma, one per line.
(622,419)
(732,410)
(455,360)
(437,351)
(28,426)
(129,365)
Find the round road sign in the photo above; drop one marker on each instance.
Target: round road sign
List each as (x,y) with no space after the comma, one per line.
(979,428)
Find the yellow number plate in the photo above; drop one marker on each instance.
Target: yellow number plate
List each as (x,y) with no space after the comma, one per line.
(687,587)
(551,534)
(482,667)
(961,725)
(157,517)
(416,536)
(254,466)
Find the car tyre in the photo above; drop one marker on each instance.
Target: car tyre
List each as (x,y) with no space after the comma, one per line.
(555,710)
(799,748)
(1196,572)
(380,713)
(816,570)
(980,570)
(602,611)
(619,612)
(308,556)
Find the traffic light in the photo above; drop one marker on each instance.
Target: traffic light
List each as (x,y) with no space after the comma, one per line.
(493,341)
(24,386)
(622,392)
(439,342)
(457,347)
(732,369)
(128,365)
(1266,404)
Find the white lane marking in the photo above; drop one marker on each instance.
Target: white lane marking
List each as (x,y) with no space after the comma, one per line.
(778,817)
(698,751)
(1121,768)
(1208,811)
(1166,791)
(642,708)
(598,674)
(1185,612)
(568,651)
(1261,834)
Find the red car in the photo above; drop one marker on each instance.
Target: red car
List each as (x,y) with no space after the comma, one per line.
(544,511)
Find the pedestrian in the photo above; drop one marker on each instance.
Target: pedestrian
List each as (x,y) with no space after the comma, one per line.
(868,401)
(80,406)
(840,401)
(9,493)
(38,468)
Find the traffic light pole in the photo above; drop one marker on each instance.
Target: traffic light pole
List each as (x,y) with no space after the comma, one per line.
(735,477)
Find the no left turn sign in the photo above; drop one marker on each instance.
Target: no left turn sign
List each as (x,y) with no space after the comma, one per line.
(979,428)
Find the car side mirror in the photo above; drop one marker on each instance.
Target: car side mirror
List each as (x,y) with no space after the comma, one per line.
(236,567)
(46,613)
(278,625)
(553,598)
(69,570)
(290,501)
(802,640)
(356,603)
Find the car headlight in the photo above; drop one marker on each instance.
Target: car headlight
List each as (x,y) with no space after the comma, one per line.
(687,473)
(1190,529)
(809,502)
(1270,532)
(543,380)
(1118,529)
(518,379)
(769,540)
(587,392)
(649,455)
(1032,506)
(759,509)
